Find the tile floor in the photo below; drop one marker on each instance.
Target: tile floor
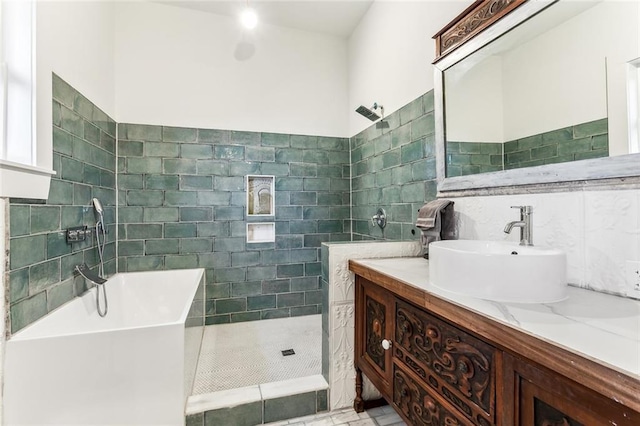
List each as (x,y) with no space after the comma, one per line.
(250,358)
(249,353)
(380,416)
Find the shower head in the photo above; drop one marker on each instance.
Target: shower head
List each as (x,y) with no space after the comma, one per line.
(363,110)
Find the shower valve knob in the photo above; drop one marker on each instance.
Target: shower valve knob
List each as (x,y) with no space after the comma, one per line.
(77,234)
(380,218)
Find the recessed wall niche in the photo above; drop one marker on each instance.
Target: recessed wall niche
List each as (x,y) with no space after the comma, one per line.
(263,232)
(260,195)
(260,202)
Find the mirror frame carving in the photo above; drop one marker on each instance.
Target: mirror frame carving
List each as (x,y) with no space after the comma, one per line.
(623,169)
(474,19)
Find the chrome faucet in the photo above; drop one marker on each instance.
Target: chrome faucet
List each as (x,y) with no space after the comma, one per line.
(526,234)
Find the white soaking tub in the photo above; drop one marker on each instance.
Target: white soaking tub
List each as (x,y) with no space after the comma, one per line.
(134,367)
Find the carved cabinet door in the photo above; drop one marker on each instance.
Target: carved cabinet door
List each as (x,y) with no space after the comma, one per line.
(457,369)
(374,331)
(543,398)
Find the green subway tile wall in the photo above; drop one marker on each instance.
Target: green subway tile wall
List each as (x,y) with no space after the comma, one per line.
(182,204)
(41,270)
(394,167)
(469,158)
(578,142)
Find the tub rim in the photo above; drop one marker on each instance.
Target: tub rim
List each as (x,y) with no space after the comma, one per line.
(19,335)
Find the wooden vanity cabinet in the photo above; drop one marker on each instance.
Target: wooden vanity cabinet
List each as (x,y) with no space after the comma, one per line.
(542,398)
(437,371)
(374,323)
(433,372)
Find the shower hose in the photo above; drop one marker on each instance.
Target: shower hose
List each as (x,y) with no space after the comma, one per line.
(100,228)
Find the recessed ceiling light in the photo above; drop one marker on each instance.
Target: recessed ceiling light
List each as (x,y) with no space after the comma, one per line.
(249,18)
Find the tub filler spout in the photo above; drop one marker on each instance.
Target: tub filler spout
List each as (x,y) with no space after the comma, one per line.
(88,274)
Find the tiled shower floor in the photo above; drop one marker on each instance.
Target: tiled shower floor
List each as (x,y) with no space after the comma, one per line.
(249,353)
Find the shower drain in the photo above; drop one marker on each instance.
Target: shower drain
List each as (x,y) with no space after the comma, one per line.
(288,352)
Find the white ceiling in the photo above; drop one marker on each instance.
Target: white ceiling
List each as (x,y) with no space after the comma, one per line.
(334,17)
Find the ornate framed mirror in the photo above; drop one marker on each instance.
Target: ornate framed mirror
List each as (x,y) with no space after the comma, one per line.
(532,93)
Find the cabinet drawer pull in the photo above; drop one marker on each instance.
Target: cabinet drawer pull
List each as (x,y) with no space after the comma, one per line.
(386,344)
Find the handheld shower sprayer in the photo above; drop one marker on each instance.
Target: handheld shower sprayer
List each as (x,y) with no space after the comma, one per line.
(370,112)
(98,210)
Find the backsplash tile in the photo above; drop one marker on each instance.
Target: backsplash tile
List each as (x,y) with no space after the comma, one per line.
(41,276)
(612,232)
(599,230)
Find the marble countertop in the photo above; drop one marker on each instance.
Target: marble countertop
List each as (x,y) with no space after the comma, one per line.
(599,326)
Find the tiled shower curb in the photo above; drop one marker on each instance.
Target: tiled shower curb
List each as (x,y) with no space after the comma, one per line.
(252,405)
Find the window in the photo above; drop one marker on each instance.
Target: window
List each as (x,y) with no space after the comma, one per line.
(20,174)
(18,82)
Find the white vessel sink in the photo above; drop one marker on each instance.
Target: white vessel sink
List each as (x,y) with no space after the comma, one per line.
(500,271)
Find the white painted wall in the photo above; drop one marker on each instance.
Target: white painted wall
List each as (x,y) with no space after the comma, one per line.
(390,54)
(75,40)
(177,67)
(474,107)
